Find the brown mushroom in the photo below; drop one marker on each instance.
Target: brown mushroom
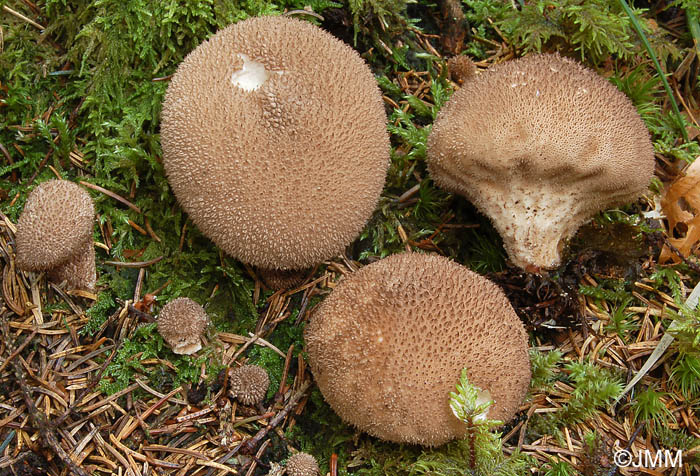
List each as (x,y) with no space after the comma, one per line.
(274,142)
(540,144)
(181,323)
(249,384)
(54,234)
(302,464)
(388,345)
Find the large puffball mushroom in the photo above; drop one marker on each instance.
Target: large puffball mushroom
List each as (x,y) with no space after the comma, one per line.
(249,384)
(54,234)
(388,345)
(540,144)
(274,142)
(181,323)
(302,464)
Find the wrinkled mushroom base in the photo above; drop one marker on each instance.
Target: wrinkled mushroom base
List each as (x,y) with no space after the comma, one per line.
(277,279)
(187,348)
(79,272)
(535,217)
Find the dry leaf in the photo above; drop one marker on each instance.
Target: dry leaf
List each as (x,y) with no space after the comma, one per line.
(681,204)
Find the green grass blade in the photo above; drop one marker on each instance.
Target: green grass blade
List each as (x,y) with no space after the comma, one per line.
(691,17)
(647,46)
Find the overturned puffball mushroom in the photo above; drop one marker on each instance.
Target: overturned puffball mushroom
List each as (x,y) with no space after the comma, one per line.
(249,384)
(388,345)
(54,234)
(540,144)
(302,464)
(274,142)
(181,323)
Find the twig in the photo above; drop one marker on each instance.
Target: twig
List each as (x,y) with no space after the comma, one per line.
(23,18)
(251,443)
(112,195)
(45,430)
(18,350)
(91,385)
(134,264)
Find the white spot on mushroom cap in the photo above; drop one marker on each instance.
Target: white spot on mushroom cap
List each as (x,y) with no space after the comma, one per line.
(252,74)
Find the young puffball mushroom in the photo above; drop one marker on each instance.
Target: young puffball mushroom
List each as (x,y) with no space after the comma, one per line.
(388,345)
(181,323)
(302,464)
(274,142)
(540,144)
(54,234)
(249,384)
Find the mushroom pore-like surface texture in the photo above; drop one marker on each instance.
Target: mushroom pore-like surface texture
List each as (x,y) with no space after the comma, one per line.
(540,144)
(388,345)
(54,233)
(302,464)
(274,142)
(249,384)
(181,323)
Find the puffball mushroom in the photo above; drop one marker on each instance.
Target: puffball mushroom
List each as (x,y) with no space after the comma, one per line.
(388,345)
(54,234)
(302,464)
(181,323)
(540,144)
(274,142)
(249,384)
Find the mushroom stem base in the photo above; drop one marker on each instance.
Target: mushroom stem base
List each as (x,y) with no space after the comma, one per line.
(79,272)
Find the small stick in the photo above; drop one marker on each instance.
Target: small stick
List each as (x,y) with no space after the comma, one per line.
(112,195)
(23,18)
(18,350)
(251,443)
(134,264)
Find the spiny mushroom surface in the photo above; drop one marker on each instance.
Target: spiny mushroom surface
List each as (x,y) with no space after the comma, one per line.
(274,142)
(302,464)
(387,347)
(54,234)
(181,323)
(249,384)
(540,144)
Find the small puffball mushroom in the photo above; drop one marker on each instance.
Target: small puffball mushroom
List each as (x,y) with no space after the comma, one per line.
(181,323)
(54,234)
(461,69)
(274,142)
(249,384)
(277,279)
(540,145)
(302,464)
(388,345)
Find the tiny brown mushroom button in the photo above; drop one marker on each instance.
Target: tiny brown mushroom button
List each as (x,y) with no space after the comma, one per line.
(388,345)
(54,234)
(275,143)
(302,464)
(540,145)
(181,323)
(249,384)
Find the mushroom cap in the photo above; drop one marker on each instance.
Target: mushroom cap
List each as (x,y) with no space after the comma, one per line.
(181,323)
(274,142)
(302,464)
(249,384)
(388,345)
(54,226)
(540,144)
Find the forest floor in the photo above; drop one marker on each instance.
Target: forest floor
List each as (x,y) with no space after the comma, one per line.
(87,386)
